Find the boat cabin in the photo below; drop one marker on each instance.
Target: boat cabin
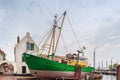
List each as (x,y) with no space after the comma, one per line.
(72,60)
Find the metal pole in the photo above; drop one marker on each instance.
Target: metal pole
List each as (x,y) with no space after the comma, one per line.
(111,65)
(102,65)
(94,59)
(106,65)
(98,65)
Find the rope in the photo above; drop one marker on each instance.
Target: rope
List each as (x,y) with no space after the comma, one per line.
(64,45)
(59,18)
(74,33)
(44,37)
(45,42)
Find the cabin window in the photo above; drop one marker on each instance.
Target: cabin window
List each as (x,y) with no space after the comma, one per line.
(23,69)
(30,46)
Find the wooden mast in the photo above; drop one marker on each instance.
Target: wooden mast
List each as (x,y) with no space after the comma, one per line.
(60,31)
(52,42)
(53,46)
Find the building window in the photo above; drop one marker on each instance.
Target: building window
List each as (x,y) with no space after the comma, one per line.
(32,46)
(23,58)
(23,69)
(1,57)
(29,46)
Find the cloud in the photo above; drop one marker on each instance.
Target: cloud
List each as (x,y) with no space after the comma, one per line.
(96,23)
(109,51)
(109,33)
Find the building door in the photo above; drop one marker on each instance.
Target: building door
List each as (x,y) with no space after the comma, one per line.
(23,69)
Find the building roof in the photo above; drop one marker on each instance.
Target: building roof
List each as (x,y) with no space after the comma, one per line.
(2,52)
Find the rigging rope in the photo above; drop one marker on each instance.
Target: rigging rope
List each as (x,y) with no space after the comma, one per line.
(48,36)
(40,42)
(64,45)
(59,18)
(45,42)
(74,33)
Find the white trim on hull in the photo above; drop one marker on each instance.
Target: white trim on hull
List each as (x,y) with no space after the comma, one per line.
(53,74)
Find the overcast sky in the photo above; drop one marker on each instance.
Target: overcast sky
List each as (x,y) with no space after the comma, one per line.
(95,22)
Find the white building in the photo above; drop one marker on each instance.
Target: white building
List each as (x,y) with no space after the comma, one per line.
(6,67)
(24,45)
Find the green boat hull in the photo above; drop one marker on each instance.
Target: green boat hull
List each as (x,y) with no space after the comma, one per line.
(40,66)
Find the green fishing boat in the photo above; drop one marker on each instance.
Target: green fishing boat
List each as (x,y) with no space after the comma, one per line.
(41,67)
(44,68)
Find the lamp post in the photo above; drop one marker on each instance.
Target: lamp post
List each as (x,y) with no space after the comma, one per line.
(102,65)
(111,65)
(94,58)
(106,65)
(98,65)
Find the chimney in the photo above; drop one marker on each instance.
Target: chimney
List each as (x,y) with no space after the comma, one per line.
(18,39)
(28,33)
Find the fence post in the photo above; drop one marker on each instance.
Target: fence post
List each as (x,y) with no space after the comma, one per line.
(78,72)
